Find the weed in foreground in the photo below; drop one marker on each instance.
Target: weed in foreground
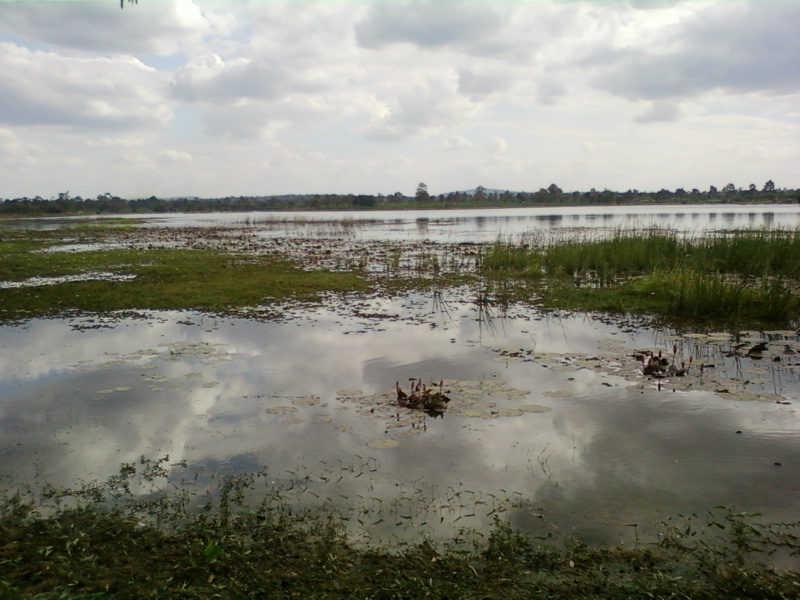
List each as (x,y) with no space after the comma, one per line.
(106,541)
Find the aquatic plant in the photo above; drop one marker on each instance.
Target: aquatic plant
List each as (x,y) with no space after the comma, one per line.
(742,275)
(235,545)
(697,295)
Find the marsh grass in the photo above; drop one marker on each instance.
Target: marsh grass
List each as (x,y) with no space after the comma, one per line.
(749,275)
(759,252)
(164,279)
(521,261)
(141,535)
(699,295)
(623,254)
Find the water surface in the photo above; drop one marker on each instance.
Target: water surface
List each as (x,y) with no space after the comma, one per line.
(301,396)
(484,225)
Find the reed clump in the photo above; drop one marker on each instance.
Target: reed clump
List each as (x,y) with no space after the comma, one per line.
(744,275)
(698,295)
(521,261)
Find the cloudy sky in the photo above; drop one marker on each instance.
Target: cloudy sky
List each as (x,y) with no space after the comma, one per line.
(259,97)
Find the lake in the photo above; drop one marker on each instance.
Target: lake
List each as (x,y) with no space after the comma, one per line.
(551,423)
(486,225)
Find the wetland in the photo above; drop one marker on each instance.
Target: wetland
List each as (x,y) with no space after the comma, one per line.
(620,414)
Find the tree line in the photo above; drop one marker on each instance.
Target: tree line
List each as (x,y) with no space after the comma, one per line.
(107,203)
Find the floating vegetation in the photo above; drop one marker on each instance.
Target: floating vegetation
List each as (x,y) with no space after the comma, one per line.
(535,408)
(560,393)
(405,413)
(280,410)
(734,366)
(195,350)
(432,401)
(149,531)
(383,443)
(306,401)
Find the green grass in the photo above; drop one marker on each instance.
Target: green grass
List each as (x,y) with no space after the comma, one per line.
(743,276)
(749,277)
(164,279)
(101,541)
(624,254)
(518,260)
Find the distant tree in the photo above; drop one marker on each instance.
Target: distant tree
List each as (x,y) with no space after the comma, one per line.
(480,193)
(752,188)
(713,191)
(729,189)
(422,192)
(769,186)
(122,2)
(364,201)
(554,190)
(507,196)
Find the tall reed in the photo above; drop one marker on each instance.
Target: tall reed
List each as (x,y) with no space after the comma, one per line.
(741,274)
(519,261)
(751,252)
(712,295)
(625,253)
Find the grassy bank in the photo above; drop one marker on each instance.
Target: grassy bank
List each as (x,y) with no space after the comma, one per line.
(110,543)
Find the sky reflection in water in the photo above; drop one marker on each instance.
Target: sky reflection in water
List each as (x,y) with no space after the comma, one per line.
(77,402)
(485,225)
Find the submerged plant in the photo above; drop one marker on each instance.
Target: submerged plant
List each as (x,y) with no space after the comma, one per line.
(238,546)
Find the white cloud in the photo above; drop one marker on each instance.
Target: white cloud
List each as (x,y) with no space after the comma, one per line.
(737,46)
(496,144)
(45,88)
(151,28)
(427,24)
(174,156)
(420,108)
(478,83)
(456,143)
(660,111)
(15,151)
(296,97)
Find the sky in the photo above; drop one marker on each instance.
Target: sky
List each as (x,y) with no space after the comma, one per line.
(218,98)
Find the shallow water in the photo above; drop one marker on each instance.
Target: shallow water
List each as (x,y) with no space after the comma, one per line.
(477,225)
(311,397)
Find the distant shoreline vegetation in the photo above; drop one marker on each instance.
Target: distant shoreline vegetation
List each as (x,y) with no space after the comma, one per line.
(480,197)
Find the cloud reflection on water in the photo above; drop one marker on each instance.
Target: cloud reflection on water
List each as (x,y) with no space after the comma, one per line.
(603,455)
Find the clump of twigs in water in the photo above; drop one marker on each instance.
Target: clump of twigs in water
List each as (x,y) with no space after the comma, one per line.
(428,399)
(658,366)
